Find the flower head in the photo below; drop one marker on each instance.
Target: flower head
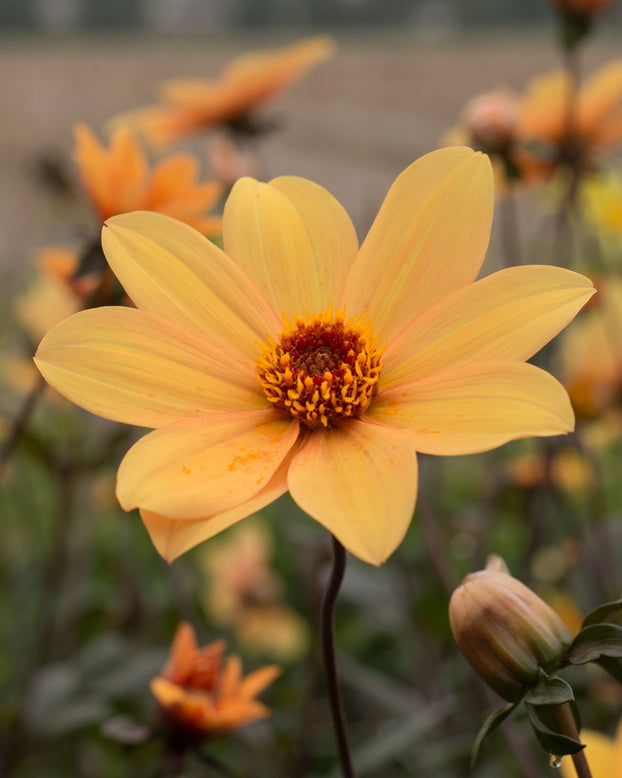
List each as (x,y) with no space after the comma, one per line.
(293,360)
(506,631)
(118,180)
(193,105)
(593,126)
(202,693)
(603,753)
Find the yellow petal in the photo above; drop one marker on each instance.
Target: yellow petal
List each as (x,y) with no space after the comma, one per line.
(476,407)
(293,239)
(173,271)
(508,315)
(360,482)
(600,754)
(428,239)
(133,367)
(206,465)
(173,537)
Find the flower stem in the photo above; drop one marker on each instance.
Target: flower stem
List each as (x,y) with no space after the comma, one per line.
(569,727)
(328,655)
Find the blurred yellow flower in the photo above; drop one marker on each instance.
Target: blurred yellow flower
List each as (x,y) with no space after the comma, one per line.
(604,755)
(118,179)
(593,126)
(244,593)
(602,201)
(193,105)
(329,408)
(591,354)
(201,693)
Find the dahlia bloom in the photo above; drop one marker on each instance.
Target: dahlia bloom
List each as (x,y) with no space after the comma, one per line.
(293,360)
(193,105)
(200,693)
(118,179)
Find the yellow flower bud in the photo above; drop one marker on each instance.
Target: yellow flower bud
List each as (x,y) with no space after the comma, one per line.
(506,631)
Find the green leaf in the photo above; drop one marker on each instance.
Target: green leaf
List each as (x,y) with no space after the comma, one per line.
(594,642)
(604,613)
(550,691)
(552,741)
(491,723)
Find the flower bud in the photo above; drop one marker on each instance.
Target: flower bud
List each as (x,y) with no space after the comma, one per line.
(491,120)
(506,631)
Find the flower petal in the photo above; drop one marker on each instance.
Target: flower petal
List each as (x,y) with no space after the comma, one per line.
(173,271)
(293,239)
(508,315)
(133,367)
(206,465)
(477,407)
(359,480)
(173,537)
(428,239)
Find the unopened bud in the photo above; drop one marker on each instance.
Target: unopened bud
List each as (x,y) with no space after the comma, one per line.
(491,120)
(506,632)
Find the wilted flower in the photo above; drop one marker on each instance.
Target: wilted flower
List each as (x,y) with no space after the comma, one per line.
(506,632)
(490,120)
(202,693)
(257,382)
(549,128)
(603,753)
(118,180)
(193,105)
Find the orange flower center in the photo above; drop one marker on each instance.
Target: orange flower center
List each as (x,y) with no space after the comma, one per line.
(321,370)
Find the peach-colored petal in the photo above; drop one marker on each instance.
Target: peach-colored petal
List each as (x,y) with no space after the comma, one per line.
(293,239)
(507,315)
(206,465)
(133,367)
(429,238)
(172,270)
(254,683)
(477,407)
(181,658)
(360,481)
(600,95)
(173,537)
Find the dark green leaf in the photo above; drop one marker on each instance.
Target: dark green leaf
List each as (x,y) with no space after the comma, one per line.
(604,613)
(491,723)
(595,641)
(552,741)
(550,691)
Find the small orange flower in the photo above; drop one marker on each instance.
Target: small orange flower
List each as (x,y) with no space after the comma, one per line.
(572,129)
(192,105)
(202,693)
(118,180)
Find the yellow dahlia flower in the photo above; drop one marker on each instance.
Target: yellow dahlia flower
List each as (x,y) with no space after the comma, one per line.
(293,360)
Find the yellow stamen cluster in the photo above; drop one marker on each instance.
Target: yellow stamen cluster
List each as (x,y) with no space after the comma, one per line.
(321,370)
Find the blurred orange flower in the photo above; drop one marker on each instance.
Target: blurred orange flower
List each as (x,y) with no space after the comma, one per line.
(118,180)
(548,125)
(192,105)
(256,383)
(582,7)
(202,693)
(604,755)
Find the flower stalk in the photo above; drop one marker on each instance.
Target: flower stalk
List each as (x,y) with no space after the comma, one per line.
(328,655)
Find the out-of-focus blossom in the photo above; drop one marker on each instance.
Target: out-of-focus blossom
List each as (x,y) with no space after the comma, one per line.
(506,631)
(603,753)
(203,693)
(601,197)
(591,354)
(244,593)
(229,161)
(567,469)
(574,129)
(118,179)
(193,105)
(329,409)
(582,6)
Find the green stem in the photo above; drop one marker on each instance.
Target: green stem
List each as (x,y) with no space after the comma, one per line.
(328,654)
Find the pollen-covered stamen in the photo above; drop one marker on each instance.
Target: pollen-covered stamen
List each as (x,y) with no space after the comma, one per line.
(322,369)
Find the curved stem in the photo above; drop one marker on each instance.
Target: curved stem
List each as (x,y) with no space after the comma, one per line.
(328,655)
(569,727)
